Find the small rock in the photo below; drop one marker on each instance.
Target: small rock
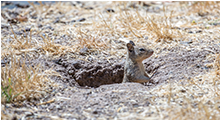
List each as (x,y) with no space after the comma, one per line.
(8,3)
(186,42)
(22,5)
(84,50)
(202,14)
(133,5)
(4,26)
(27,29)
(89,8)
(28,114)
(135,105)
(183,91)
(49,27)
(146,37)
(81,20)
(199,31)
(14,118)
(34,17)
(95,112)
(58,107)
(18,33)
(90,59)
(190,32)
(13,21)
(110,10)
(71,72)
(146,4)
(57,20)
(3,62)
(176,28)
(65,65)
(74,3)
(40,26)
(77,65)
(25,35)
(43,35)
(147,103)
(73,21)
(51,107)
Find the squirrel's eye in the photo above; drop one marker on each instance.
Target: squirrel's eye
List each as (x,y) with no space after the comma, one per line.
(142,49)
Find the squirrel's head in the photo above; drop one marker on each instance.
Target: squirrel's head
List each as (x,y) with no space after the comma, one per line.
(138,53)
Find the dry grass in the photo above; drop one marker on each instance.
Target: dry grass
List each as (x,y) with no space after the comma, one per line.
(21,82)
(204,7)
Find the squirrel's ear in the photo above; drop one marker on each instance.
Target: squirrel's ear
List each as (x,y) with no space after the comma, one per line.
(130,46)
(132,42)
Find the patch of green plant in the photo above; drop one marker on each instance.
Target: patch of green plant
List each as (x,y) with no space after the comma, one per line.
(7,92)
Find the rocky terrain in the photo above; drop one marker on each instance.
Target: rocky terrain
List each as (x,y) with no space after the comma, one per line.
(65,60)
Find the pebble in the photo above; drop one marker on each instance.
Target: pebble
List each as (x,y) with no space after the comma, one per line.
(13,21)
(22,5)
(71,72)
(81,20)
(110,10)
(26,29)
(73,21)
(77,65)
(3,62)
(186,42)
(57,20)
(89,8)
(8,3)
(28,114)
(190,32)
(34,17)
(146,4)
(199,31)
(51,107)
(43,35)
(40,26)
(183,91)
(49,27)
(83,51)
(18,33)
(95,112)
(4,26)
(146,37)
(58,107)
(25,35)
(90,59)
(58,61)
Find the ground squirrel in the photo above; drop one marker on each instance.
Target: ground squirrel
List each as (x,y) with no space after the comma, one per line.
(134,69)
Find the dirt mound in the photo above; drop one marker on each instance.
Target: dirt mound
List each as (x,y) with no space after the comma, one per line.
(178,65)
(92,74)
(172,66)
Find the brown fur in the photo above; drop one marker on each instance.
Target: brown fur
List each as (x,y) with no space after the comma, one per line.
(134,69)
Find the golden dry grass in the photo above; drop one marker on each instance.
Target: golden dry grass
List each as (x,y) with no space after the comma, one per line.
(203,7)
(21,82)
